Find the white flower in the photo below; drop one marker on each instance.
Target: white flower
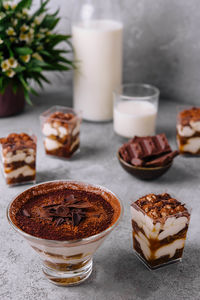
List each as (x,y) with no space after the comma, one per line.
(40,48)
(7,4)
(5,65)
(24,37)
(19,15)
(37,56)
(25,11)
(10,31)
(12,62)
(43,30)
(25,58)
(14,22)
(31,31)
(13,5)
(38,20)
(24,28)
(1,41)
(40,35)
(2,15)
(12,39)
(10,73)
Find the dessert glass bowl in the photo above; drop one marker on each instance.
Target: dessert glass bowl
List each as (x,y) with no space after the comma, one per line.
(67,262)
(144,173)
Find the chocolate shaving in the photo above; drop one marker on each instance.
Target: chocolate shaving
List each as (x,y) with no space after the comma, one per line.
(70,211)
(26,213)
(60,221)
(76,219)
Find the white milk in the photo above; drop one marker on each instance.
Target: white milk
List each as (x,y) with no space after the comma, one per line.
(98,48)
(135,118)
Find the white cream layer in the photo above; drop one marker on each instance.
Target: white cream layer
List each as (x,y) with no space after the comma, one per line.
(53,129)
(60,131)
(26,155)
(168,249)
(76,129)
(195,125)
(192,146)
(171,227)
(51,144)
(185,130)
(188,131)
(74,144)
(24,171)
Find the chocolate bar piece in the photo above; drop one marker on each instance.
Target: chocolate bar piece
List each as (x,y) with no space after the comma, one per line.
(162,160)
(188,131)
(160,225)
(148,151)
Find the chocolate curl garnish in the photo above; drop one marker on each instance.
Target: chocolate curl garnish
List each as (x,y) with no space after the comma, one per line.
(26,213)
(70,211)
(76,219)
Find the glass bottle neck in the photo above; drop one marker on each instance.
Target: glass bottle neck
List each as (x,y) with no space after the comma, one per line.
(93,10)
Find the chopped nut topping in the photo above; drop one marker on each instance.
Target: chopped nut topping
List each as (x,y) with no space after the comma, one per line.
(161,206)
(16,141)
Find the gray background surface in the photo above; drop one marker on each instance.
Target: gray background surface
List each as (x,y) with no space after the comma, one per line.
(161,45)
(118,274)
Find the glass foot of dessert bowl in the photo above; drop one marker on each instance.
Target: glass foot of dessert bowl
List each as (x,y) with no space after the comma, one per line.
(70,274)
(65,222)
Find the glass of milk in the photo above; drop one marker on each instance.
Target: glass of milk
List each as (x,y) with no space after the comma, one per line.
(135,110)
(97,40)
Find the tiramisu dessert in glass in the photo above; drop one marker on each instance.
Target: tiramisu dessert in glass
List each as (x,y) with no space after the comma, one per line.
(160,225)
(61,130)
(188,131)
(65,222)
(18,158)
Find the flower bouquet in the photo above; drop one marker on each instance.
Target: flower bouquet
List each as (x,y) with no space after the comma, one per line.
(29,45)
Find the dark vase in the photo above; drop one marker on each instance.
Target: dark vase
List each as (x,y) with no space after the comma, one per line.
(10,103)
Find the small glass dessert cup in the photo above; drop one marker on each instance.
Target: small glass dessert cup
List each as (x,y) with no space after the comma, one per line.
(160,224)
(188,130)
(65,262)
(61,130)
(18,158)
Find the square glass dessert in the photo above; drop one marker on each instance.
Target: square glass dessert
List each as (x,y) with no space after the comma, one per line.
(61,130)
(18,155)
(188,131)
(160,225)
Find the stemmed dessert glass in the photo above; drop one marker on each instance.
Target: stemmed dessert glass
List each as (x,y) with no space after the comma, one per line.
(66,262)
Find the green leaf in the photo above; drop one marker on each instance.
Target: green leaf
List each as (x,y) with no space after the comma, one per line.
(27,97)
(20,69)
(9,48)
(44,78)
(24,83)
(1,82)
(41,9)
(50,22)
(38,81)
(23,51)
(33,91)
(35,69)
(23,4)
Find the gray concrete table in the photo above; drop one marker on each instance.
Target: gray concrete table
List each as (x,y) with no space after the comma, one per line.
(117,273)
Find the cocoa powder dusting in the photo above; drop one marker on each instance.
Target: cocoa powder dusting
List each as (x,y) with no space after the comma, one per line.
(65,215)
